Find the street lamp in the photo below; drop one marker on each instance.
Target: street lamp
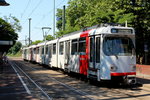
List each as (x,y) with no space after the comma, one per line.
(44,36)
(3,3)
(44,33)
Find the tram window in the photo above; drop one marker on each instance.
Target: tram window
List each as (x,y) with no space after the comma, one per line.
(24,51)
(74,49)
(42,50)
(91,49)
(50,51)
(37,51)
(54,48)
(61,48)
(46,49)
(34,50)
(82,46)
(97,49)
(124,46)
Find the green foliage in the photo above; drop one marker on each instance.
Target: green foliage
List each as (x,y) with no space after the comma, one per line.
(84,13)
(36,42)
(6,31)
(14,22)
(8,28)
(49,37)
(59,19)
(18,54)
(16,48)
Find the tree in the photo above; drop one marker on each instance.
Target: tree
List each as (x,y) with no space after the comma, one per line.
(36,42)
(14,22)
(7,32)
(9,26)
(86,13)
(49,37)
(16,48)
(59,19)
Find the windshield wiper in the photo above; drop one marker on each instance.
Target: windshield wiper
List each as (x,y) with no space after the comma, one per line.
(116,56)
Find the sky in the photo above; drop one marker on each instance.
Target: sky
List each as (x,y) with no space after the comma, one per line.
(41,13)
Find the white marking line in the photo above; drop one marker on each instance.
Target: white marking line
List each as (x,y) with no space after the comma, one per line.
(49,98)
(23,83)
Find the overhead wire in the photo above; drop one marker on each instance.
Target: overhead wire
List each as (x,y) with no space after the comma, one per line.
(33,11)
(25,9)
(35,8)
(44,16)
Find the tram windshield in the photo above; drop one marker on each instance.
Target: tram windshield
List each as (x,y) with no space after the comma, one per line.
(118,46)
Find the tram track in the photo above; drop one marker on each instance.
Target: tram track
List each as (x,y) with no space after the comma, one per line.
(79,92)
(17,70)
(124,93)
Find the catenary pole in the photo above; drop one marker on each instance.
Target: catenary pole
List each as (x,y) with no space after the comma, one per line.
(54,21)
(29,31)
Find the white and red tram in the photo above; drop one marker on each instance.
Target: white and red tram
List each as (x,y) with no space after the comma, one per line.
(101,53)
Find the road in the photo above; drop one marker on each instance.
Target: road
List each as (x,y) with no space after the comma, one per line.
(43,83)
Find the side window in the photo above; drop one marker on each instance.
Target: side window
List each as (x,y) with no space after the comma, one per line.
(91,49)
(24,51)
(42,50)
(67,50)
(74,45)
(54,49)
(37,52)
(82,46)
(98,49)
(50,51)
(46,49)
(34,51)
(61,48)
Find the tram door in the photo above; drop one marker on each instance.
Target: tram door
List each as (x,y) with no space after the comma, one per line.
(74,57)
(67,54)
(94,62)
(83,54)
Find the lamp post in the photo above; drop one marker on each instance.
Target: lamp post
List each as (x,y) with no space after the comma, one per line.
(3,3)
(45,33)
(29,31)
(54,20)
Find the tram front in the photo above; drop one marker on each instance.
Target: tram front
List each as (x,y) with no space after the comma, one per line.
(118,61)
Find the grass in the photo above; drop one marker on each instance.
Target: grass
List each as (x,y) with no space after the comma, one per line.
(19,54)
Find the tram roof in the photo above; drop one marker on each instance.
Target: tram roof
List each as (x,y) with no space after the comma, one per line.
(109,30)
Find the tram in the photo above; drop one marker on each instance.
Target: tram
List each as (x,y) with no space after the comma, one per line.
(105,52)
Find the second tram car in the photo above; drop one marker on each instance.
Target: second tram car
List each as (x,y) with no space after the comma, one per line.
(101,53)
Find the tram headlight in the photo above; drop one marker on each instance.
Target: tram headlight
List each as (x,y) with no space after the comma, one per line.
(113,68)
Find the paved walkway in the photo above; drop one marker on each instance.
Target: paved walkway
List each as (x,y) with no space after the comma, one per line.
(143,71)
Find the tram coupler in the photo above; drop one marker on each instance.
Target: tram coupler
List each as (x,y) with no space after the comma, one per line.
(131,81)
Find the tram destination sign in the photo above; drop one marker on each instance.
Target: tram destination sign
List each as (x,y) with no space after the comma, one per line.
(124,31)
